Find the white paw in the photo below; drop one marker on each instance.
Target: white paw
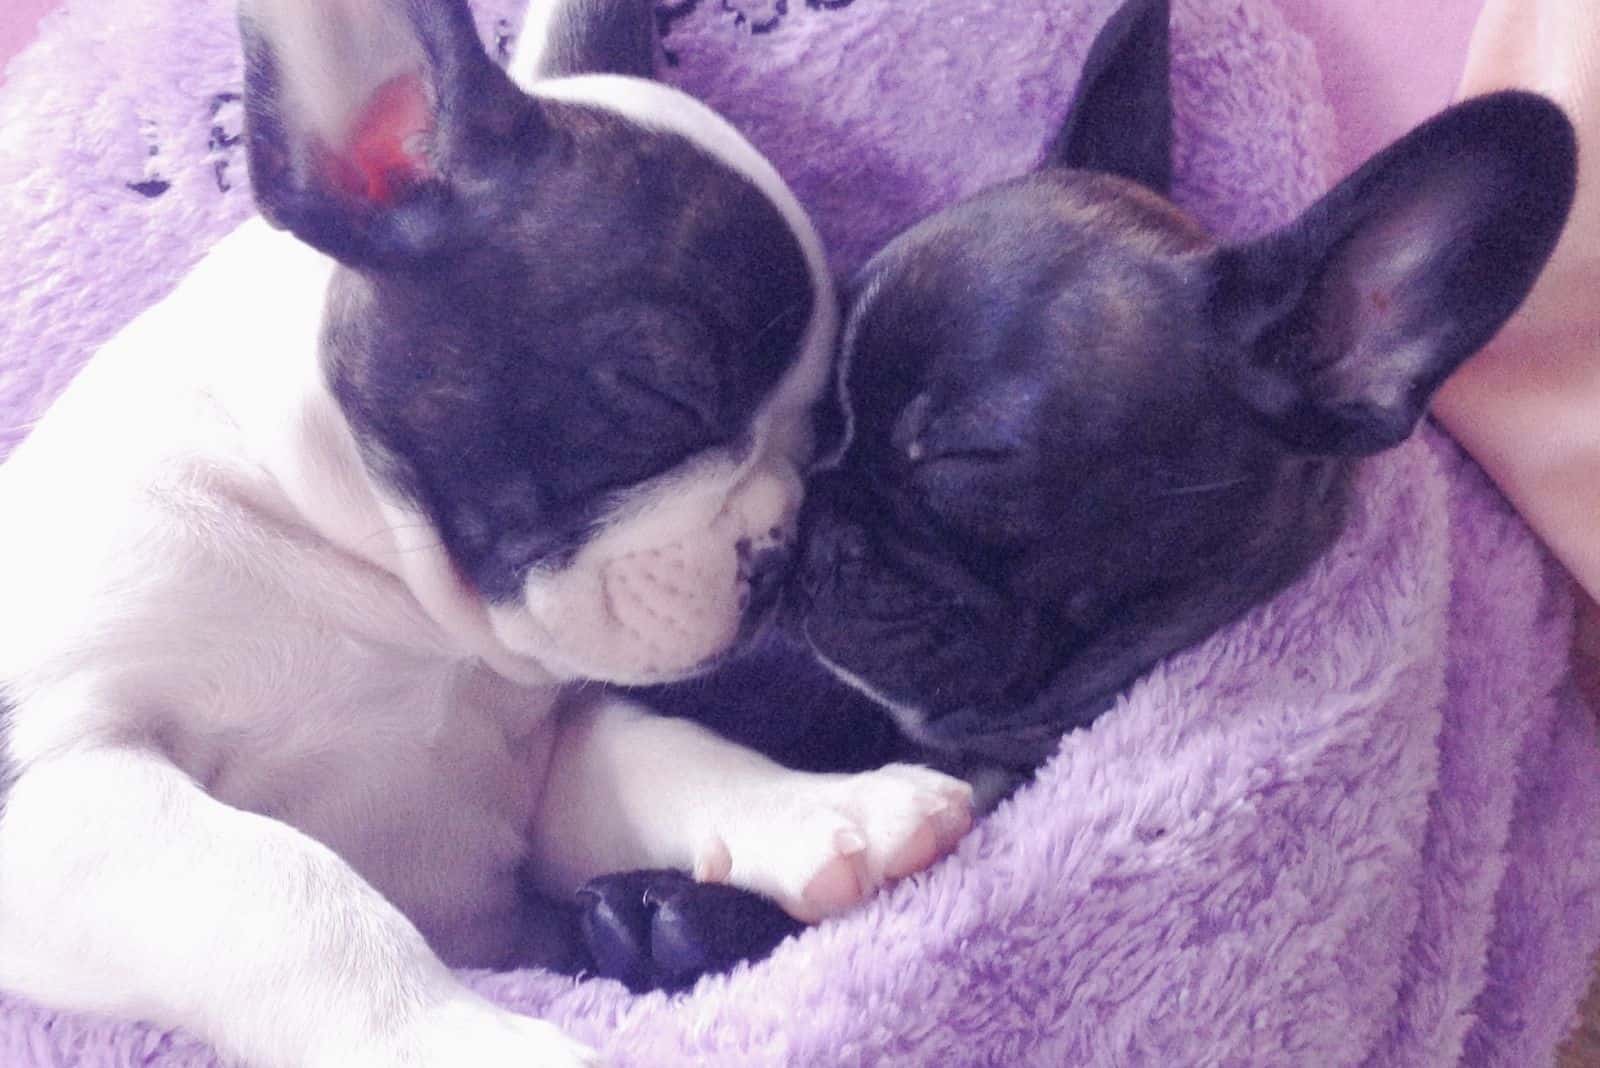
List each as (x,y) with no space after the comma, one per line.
(467,1030)
(820,844)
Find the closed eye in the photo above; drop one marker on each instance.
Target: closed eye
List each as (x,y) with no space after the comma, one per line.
(680,403)
(924,438)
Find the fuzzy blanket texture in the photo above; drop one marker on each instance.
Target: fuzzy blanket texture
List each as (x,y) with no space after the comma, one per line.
(1356,828)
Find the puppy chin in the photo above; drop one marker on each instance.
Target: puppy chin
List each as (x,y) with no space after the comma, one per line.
(666,591)
(647,617)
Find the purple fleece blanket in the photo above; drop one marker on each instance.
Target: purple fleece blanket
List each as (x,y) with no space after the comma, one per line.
(1355,828)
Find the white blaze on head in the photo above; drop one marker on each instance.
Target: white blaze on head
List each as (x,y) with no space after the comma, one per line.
(662,585)
(661,107)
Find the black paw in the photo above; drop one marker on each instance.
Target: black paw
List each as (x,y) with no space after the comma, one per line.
(661,930)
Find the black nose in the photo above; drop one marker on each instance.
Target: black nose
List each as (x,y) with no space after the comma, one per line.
(834,542)
(766,573)
(837,504)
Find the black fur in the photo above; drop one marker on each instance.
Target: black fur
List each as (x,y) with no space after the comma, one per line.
(772,698)
(590,341)
(1120,121)
(558,305)
(1322,329)
(1046,478)
(1087,436)
(660,930)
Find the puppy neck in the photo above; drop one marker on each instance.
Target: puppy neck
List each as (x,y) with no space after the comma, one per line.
(275,393)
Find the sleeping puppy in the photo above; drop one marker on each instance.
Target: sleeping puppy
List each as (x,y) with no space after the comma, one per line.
(295,633)
(1087,435)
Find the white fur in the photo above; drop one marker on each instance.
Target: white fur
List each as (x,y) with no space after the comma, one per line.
(533,42)
(910,720)
(278,764)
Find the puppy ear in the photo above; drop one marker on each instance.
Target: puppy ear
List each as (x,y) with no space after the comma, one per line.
(561,38)
(1120,121)
(1348,319)
(363,117)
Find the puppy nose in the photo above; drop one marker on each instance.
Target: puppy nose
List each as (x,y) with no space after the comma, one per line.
(767,571)
(832,545)
(838,497)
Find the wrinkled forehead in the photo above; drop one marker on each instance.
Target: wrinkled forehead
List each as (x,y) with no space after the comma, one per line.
(1043,232)
(1059,247)
(1083,285)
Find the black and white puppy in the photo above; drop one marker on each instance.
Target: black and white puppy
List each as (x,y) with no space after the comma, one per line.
(1086,434)
(294,631)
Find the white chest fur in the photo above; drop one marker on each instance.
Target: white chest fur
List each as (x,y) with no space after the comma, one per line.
(279,664)
(423,774)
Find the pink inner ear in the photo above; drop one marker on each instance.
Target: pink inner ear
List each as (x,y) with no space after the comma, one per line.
(383,153)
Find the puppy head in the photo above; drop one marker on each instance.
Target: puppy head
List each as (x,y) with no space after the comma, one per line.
(576,335)
(1087,435)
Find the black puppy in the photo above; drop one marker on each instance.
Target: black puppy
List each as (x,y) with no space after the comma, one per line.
(1087,435)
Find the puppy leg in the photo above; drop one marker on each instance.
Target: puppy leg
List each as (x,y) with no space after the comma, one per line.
(125,888)
(631,790)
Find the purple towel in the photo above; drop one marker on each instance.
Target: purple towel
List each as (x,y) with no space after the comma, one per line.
(1355,828)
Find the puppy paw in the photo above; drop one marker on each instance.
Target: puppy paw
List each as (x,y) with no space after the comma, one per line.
(820,844)
(661,930)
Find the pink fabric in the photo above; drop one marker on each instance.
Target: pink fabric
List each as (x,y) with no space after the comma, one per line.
(19,22)
(1528,408)
(1386,64)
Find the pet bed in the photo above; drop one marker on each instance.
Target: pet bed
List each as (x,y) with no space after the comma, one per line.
(1355,828)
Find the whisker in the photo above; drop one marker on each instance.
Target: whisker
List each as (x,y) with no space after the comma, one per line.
(777,320)
(1204,487)
(416,549)
(404,528)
